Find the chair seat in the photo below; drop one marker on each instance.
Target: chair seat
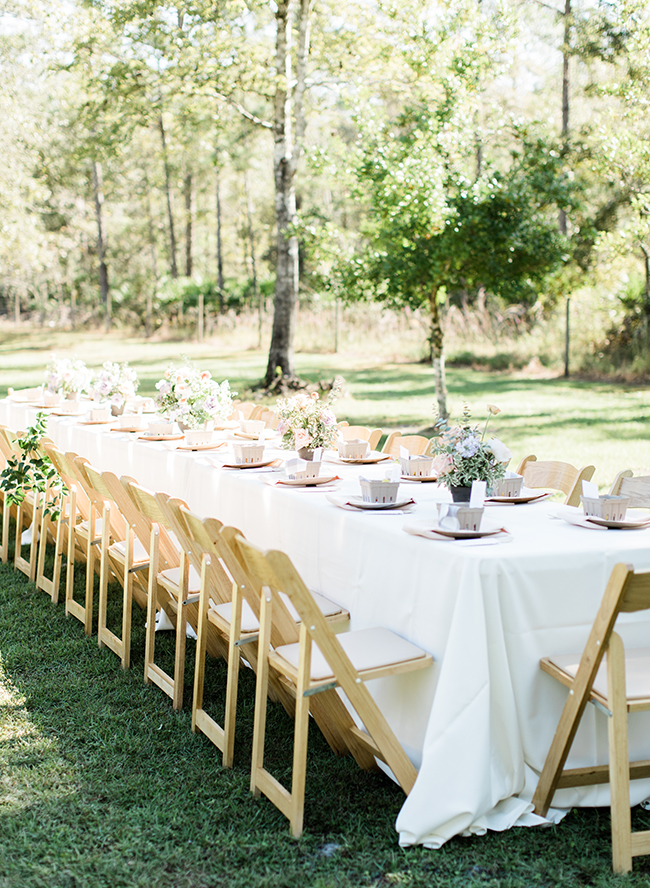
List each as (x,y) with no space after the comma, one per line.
(637,672)
(83,527)
(140,554)
(172,576)
(367,649)
(249,622)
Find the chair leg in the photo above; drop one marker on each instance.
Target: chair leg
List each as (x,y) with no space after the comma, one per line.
(261,692)
(103,578)
(232,681)
(619,760)
(127,599)
(6,514)
(301,734)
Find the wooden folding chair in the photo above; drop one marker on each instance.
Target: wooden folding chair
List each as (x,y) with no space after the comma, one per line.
(270,417)
(246,408)
(229,606)
(637,489)
(616,689)
(172,580)
(28,513)
(5,452)
(372,436)
(125,557)
(556,475)
(53,530)
(415,444)
(334,661)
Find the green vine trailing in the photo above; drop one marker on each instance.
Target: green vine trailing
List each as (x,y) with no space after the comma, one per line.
(33,471)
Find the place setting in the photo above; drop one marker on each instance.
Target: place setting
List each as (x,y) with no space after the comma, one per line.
(305,474)
(249,456)
(510,490)
(378,495)
(461,522)
(602,512)
(357,453)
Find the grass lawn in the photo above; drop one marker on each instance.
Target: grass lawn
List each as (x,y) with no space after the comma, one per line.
(103,784)
(607,425)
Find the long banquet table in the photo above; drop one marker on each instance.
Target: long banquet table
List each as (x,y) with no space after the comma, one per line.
(479,723)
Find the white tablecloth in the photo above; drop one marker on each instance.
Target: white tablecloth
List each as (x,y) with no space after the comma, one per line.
(479,723)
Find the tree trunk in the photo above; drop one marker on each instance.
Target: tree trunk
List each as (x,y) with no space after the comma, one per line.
(101,244)
(189,219)
(562,222)
(169,197)
(154,261)
(438,354)
(17,304)
(289,110)
(219,245)
(257,301)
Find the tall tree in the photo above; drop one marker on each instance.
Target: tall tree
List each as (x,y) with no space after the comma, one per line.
(288,133)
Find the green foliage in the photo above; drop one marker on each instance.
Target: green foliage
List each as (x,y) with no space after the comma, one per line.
(431,226)
(32,471)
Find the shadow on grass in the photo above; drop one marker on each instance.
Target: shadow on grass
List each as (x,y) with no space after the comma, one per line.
(105,786)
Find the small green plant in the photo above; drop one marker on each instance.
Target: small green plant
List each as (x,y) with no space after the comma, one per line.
(33,471)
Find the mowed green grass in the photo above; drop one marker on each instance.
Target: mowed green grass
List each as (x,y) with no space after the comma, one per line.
(102,784)
(607,425)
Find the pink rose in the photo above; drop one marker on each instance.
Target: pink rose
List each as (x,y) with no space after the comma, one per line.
(302,438)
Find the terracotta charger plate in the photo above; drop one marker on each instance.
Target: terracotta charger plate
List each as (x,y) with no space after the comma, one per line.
(201,446)
(626,524)
(307,482)
(521,499)
(157,437)
(259,465)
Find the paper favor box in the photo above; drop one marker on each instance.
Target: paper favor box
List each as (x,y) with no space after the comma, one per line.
(611,508)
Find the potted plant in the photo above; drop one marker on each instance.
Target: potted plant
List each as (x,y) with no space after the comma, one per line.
(306,422)
(66,376)
(116,383)
(192,398)
(467,455)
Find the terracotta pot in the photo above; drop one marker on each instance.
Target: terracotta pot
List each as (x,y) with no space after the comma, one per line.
(117,411)
(306,453)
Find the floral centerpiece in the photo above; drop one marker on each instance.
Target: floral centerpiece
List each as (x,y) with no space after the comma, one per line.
(306,422)
(67,376)
(466,455)
(192,397)
(115,382)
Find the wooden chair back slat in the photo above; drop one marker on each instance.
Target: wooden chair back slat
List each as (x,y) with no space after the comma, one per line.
(637,489)
(556,475)
(416,445)
(372,436)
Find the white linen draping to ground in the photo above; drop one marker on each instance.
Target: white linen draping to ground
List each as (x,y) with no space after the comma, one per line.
(479,723)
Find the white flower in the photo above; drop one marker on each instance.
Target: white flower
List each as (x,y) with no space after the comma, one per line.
(499,449)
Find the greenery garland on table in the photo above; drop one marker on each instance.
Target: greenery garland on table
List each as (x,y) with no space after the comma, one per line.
(33,471)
